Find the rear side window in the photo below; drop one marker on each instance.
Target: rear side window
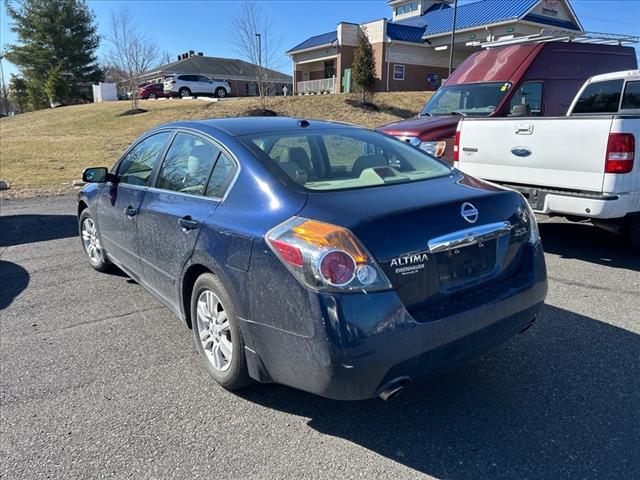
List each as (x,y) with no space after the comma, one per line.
(221,177)
(631,97)
(136,167)
(187,165)
(600,97)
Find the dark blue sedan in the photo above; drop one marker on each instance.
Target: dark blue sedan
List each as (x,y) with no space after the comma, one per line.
(323,256)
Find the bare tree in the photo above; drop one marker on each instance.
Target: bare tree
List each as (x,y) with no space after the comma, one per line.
(131,53)
(257,42)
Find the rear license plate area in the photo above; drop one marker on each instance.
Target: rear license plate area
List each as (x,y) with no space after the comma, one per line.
(462,265)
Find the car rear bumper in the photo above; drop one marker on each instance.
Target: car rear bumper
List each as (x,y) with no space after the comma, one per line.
(362,342)
(581,204)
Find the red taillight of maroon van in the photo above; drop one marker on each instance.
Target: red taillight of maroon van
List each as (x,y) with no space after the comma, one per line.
(456,147)
(620,153)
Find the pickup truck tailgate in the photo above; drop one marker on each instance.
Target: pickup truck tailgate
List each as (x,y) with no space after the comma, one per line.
(559,152)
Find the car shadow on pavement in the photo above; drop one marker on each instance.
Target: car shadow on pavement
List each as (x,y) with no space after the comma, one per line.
(592,244)
(13,281)
(22,229)
(560,401)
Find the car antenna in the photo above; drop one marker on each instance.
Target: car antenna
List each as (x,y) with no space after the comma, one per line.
(303,123)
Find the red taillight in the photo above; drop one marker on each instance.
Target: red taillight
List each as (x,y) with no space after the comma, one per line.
(456,147)
(173,82)
(620,153)
(338,268)
(289,253)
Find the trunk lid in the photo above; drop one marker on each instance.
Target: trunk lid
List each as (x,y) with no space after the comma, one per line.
(412,230)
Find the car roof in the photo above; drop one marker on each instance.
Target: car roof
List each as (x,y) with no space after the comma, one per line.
(238,126)
(624,75)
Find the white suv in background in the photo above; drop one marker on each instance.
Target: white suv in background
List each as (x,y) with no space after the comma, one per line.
(186,85)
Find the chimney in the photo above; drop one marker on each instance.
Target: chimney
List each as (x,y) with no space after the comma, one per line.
(179,57)
(200,54)
(191,53)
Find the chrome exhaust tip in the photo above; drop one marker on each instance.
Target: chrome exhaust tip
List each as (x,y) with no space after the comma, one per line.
(393,388)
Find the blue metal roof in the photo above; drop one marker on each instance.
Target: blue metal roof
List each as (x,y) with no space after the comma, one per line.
(405,33)
(318,40)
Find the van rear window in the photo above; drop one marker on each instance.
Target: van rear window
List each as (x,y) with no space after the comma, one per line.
(600,97)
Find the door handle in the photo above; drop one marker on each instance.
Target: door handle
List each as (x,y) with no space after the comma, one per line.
(187,223)
(524,129)
(130,211)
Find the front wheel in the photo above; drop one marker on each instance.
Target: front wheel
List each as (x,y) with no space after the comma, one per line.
(151,96)
(91,242)
(217,334)
(220,92)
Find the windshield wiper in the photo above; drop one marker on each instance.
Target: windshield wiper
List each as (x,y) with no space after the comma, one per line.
(458,112)
(425,114)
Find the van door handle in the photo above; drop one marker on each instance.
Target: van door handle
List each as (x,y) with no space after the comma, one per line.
(187,223)
(130,211)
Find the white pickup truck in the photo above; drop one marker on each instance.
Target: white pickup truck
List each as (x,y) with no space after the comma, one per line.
(580,166)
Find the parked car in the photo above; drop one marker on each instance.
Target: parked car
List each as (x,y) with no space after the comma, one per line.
(492,82)
(581,166)
(187,85)
(323,256)
(151,91)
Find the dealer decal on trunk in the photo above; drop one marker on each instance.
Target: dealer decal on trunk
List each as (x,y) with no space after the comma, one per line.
(409,264)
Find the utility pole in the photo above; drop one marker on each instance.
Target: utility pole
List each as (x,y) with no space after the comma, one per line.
(453,35)
(259,50)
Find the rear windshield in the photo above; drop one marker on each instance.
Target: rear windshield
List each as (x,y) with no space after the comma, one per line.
(343,159)
(472,99)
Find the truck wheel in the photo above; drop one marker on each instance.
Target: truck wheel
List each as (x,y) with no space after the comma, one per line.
(634,232)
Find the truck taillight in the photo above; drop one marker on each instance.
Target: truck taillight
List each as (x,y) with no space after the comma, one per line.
(456,147)
(326,257)
(620,153)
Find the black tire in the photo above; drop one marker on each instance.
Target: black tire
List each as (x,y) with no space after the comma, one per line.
(220,92)
(184,92)
(101,262)
(151,96)
(236,375)
(634,232)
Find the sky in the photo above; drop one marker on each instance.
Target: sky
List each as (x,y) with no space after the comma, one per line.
(177,26)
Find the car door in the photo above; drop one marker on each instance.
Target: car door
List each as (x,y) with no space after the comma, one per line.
(206,85)
(173,213)
(119,202)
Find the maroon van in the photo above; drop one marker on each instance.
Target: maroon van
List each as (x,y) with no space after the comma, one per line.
(530,79)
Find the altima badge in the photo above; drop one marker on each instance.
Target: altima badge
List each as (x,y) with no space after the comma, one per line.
(469,212)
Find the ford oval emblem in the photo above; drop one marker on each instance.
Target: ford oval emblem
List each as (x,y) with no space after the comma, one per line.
(521,151)
(469,212)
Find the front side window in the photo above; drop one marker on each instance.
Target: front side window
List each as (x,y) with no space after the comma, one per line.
(529,93)
(345,159)
(600,97)
(136,167)
(187,165)
(472,99)
(631,97)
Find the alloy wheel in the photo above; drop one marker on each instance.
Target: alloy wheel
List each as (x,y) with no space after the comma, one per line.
(214,331)
(91,241)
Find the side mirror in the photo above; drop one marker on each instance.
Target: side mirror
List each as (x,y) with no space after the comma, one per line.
(96,175)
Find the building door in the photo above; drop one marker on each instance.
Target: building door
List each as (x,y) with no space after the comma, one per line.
(305,76)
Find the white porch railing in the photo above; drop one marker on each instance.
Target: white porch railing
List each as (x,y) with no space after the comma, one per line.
(324,85)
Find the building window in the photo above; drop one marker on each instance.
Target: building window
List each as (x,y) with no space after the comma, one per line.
(329,68)
(398,72)
(408,8)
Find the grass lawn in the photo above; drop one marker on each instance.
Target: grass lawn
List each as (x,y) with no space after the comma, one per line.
(43,152)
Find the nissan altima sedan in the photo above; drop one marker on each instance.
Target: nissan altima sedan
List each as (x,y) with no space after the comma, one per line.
(323,256)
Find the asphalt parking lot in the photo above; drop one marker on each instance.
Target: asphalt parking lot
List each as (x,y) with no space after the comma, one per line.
(98,380)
